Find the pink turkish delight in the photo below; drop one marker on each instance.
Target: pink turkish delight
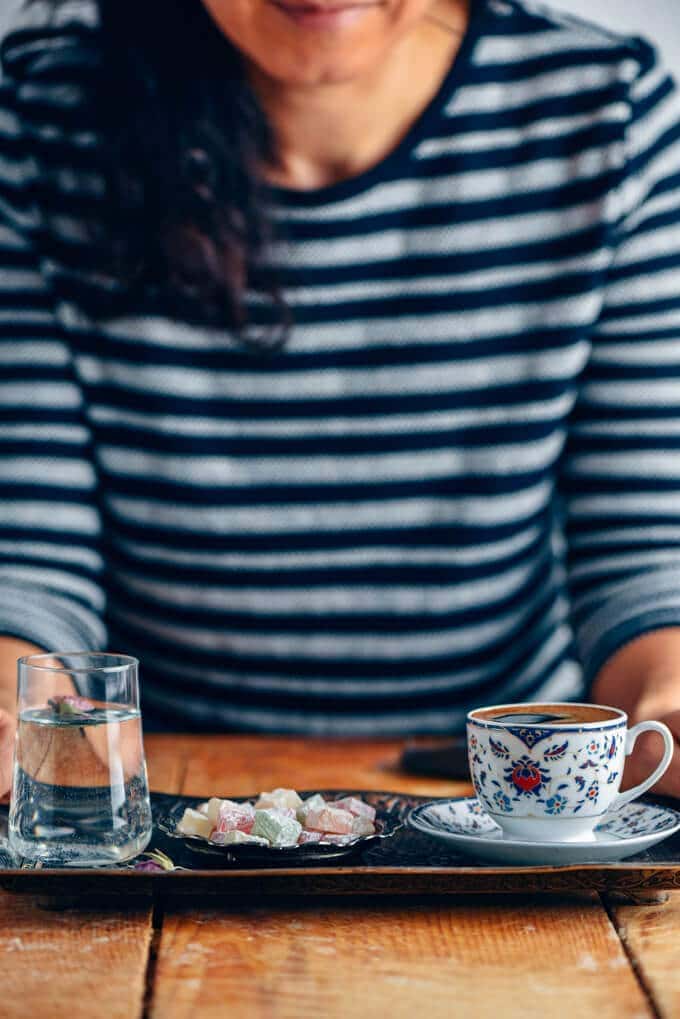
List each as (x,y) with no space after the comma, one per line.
(235,817)
(309,836)
(330,819)
(356,807)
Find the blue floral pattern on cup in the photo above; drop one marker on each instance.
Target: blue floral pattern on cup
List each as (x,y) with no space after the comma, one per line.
(549,771)
(556,804)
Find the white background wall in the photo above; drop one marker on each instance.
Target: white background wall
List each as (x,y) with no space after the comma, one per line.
(657,19)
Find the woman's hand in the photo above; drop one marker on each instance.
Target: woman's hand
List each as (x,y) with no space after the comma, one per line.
(8,728)
(649,750)
(11,648)
(643,679)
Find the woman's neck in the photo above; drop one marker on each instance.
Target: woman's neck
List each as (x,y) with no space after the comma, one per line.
(328,133)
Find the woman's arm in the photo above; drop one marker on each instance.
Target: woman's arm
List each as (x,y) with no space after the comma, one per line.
(10,650)
(621,470)
(51,594)
(643,678)
(50,559)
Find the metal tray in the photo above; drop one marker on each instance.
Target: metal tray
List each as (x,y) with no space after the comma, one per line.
(408,863)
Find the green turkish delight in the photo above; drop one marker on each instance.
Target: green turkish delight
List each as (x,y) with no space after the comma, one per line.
(277,827)
(237,838)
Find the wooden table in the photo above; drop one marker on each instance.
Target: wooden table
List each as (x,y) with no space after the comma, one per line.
(485,956)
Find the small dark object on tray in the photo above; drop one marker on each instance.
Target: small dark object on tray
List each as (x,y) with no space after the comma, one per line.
(448,761)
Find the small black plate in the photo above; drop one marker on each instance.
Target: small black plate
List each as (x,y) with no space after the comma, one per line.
(388,819)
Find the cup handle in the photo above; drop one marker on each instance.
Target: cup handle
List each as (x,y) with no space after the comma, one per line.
(669,746)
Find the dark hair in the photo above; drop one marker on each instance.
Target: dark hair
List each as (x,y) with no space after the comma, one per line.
(184,141)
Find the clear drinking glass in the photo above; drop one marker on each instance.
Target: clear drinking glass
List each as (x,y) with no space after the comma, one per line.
(80,795)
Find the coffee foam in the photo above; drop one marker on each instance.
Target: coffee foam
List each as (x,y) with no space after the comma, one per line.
(546,714)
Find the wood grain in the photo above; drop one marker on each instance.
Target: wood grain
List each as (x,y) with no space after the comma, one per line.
(81,964)
(650,934)
(489,957)
(241,765)
(513,957)
(167,758)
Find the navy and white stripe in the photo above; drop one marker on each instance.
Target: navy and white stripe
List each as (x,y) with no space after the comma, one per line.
(460,481)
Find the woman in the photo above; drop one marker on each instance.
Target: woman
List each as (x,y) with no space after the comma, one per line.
(341,356)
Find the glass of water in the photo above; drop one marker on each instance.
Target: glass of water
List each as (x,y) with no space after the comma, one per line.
(80,795)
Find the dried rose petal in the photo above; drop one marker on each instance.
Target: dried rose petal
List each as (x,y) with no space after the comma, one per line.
(67,704)
(148,865)
(156,861)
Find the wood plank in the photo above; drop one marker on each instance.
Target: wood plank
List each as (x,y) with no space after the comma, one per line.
(167,757)
(241,765)
(82,964)
(650,934)
(545,956)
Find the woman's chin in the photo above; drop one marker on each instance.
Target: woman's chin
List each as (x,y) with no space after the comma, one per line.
(334,65)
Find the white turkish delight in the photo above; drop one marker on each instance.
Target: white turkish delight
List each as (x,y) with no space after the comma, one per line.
(315,802)
(202,808)
(276,827)
(362,826)
(279,798)
(356,807)
(194,823)
(236,838)
(330,819)
(213,809)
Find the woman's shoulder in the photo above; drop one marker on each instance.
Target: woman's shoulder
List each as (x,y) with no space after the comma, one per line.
(48,36)
(531,29)
(48,63)
(48,123)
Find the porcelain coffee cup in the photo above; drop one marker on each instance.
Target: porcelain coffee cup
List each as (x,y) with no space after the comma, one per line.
(549,772)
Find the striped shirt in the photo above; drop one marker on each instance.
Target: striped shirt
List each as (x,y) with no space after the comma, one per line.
(457,484)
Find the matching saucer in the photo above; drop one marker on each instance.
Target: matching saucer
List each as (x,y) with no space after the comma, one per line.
(464,824)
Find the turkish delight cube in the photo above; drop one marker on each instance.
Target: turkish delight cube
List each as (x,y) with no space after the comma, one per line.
(237,838)
(280,799)
(213,809)
(194,823)
(309,836)
(276,827)
(356,807)
(330,819)
(235,817)
(339,840)
(315,802)
(363,826)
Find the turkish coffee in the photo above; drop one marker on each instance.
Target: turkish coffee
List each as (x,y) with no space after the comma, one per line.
(546,714)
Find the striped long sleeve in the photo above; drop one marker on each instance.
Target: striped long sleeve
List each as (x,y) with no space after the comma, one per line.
(356,533)
(622,468)
(50,561)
